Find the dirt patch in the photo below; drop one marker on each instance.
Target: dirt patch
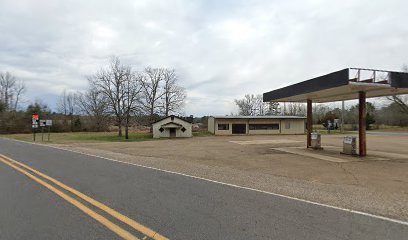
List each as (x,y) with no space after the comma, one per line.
(379,187)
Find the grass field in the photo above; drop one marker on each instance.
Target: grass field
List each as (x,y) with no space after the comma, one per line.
(89,137)
(81,137)
(332,132)
(384,128)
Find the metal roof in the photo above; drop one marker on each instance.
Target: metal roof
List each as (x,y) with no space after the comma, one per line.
(343,85)
(260,117)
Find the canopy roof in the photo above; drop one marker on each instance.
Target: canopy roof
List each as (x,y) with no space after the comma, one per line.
(343,85)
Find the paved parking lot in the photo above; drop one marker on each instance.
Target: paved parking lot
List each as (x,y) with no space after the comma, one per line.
(377,184)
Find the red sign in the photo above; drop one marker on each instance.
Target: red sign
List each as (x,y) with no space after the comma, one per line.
(35,116)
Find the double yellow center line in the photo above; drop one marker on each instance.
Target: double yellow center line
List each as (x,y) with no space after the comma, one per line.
(36,176)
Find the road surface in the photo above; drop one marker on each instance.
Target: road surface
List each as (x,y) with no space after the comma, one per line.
(48,193)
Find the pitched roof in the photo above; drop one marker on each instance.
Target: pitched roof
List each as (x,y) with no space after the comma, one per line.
(172,116)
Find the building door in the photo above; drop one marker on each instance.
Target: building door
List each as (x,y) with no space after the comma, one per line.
(172,132)
(238,128)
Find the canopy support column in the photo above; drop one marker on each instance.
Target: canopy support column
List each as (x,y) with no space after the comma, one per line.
(309,123)
(362,112)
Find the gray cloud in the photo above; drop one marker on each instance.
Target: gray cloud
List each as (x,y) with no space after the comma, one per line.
(220,49)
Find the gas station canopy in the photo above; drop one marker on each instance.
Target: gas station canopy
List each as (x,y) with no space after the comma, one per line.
(346,84)
(343,85)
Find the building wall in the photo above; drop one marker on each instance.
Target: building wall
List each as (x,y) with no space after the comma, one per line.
(296,126)
(210,125)
(229,122)
(263,131)
(166,133)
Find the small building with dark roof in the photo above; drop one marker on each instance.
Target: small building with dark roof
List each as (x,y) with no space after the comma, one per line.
(256,125)
(172,127)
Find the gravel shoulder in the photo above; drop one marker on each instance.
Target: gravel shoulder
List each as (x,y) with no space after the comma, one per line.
(377,184)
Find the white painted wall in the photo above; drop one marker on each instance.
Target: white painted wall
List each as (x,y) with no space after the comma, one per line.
(297,126)
(166,133)
(210,125)
(263,121)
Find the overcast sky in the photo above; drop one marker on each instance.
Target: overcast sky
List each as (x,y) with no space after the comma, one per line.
(220,49)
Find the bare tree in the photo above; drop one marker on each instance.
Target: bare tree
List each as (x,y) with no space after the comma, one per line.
(252,105)
(131,96)
(19,90)
(245,105)
(114,83)
(7,82)
(11,91)
(261,108)
(294,109)
(173,94)
(152,78)
(273,108)
(67,105)
(402,100)
(62,106)
(94,104)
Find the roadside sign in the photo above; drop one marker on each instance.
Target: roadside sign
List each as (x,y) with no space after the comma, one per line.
(43,123)
(36,122)
(48,122)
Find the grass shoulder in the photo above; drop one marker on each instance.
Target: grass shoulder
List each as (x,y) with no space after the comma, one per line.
(79,137)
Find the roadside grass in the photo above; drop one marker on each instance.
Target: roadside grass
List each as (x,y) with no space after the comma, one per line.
(384,128)
(81,137)
(374,128)
(334,132)
(77,137)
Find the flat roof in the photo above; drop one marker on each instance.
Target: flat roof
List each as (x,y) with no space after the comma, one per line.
(260,117)
(343,85)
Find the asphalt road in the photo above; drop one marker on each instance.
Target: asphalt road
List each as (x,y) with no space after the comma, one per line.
(176,206)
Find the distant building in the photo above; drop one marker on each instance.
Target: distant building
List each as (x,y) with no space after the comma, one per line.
(172,127)
(254,125)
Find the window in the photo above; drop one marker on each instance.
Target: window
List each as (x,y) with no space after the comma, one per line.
(161,129)
(183,129)
(272,126)
(287,125)
(223,126)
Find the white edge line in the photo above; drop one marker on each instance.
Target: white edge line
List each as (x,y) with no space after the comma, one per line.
(227,184)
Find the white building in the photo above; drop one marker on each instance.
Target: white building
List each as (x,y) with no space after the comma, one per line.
(172,127)
(253,125)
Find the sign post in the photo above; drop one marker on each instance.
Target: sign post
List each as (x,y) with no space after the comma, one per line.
(49,124)
(42,125)
(34,125)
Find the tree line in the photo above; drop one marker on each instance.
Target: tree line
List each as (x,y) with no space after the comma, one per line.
(115,94)
(253,105)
